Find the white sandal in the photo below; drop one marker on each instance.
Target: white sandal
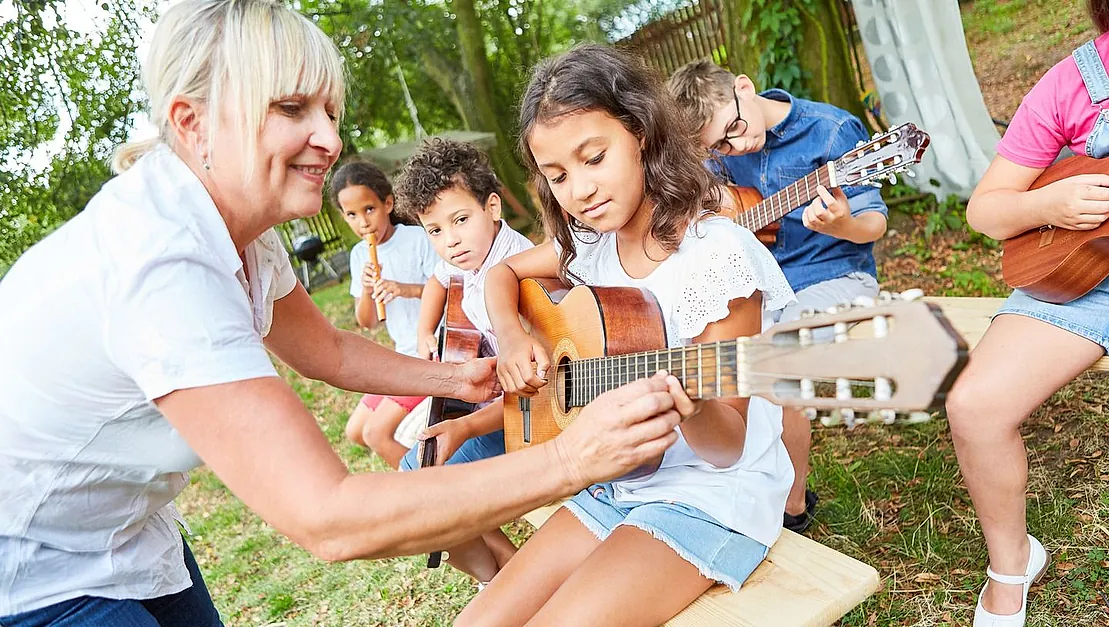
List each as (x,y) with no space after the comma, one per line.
(1037,566)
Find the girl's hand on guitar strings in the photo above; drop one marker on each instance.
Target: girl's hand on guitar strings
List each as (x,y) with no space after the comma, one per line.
(686,407)
(518,352)
(619,431)
(1079,203)
(476,380)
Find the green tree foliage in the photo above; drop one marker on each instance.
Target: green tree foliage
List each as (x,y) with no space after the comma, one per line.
(67,98)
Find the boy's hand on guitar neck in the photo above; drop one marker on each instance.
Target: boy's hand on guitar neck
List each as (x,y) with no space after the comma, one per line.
(449,435)
(828,212)
(623,429)
(1079,203)
(523,364)
(427,347)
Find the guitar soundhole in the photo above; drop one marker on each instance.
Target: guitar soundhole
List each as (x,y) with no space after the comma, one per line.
(564,382)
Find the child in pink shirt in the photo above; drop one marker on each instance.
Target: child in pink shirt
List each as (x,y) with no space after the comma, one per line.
(1032,348)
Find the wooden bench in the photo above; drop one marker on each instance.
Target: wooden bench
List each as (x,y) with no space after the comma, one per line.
(802,582)
(971,315)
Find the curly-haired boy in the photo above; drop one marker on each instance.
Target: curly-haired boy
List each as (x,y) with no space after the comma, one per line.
(449,187)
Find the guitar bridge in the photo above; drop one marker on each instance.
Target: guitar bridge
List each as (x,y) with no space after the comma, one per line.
(525,412)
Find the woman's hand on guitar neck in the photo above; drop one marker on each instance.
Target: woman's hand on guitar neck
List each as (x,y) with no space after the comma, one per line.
(522,364)
(623,429)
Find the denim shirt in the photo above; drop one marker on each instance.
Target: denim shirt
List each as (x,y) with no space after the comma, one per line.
(813,134)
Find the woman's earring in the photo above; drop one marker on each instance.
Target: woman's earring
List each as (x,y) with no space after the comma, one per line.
(204,162)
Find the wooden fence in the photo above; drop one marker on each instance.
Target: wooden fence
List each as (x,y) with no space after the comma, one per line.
(691,32)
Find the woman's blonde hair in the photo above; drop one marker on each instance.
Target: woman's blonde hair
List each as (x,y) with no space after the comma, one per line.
(245,53)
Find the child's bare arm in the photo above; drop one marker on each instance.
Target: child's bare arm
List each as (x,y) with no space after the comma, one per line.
(521,362)
(718,431)
(432,302)
(1002,206)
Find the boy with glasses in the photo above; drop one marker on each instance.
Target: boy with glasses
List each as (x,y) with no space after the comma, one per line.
(766,141)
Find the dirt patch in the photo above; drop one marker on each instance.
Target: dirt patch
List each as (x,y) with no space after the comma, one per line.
(1012,43)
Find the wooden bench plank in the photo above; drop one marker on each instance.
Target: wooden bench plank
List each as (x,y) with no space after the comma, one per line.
(971,315)
(801,582)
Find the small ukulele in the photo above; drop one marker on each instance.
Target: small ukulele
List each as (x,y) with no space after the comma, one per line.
(882,157)
(1054,264)
(600,338)
(459,342)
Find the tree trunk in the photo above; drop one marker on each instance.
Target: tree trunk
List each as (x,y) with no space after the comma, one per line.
(476,65)
(826,56)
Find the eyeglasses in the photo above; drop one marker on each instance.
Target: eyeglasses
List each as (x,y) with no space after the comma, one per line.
(722,145)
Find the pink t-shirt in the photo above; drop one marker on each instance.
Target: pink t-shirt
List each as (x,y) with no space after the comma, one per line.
(1056,112)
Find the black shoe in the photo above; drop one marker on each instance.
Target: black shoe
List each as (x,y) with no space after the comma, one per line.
(801,522)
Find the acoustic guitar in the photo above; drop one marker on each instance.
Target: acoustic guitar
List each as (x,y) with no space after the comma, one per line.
(459,342)
(600,338)
(880,158)
(1054,264)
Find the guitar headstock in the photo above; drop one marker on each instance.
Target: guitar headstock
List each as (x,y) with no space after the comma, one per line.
(893,355)
(882,157)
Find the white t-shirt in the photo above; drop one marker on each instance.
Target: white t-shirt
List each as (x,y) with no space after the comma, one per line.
(406,258)
(141,294)
(507,243)
(717,261)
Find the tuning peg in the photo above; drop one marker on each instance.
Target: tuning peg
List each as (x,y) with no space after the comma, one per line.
(911,294)
(863,301)
(909,173)
(918,417)
(875,184)
(860,143)
(892,179)
(808,312)
(885,416)
(809,413)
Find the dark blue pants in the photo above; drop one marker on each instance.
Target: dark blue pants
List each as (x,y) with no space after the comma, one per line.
(191,607)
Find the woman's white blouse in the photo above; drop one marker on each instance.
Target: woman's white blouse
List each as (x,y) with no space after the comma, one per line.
(141,294)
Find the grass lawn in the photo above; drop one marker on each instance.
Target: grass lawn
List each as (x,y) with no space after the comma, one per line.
(890,496)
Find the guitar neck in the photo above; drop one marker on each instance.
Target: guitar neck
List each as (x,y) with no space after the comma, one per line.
(706,371)
(800,192)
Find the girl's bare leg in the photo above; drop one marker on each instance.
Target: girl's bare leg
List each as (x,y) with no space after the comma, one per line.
(631,579)
(533,575)
(1017,365)
(379,428)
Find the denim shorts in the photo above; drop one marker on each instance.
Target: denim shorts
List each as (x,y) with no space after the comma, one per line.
(1086,317)
(481,447)
(719,553)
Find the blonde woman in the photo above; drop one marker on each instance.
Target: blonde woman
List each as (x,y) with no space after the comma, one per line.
(149,357)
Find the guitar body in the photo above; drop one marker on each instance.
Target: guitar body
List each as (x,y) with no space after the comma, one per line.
(577,324)
(1054,264)
(459,342)
(745,198)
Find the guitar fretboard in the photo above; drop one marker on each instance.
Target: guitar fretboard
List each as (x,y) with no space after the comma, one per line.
(800,192)
(706,371)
